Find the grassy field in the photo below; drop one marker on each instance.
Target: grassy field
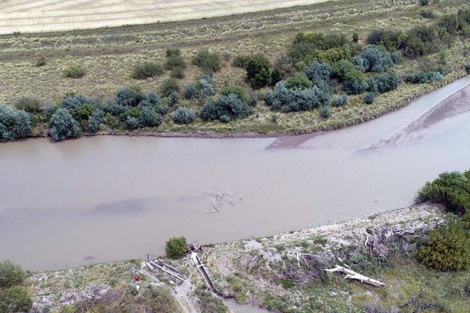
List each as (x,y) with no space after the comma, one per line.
(109,54)
(47,15)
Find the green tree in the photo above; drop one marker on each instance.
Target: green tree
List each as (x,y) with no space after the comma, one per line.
(258,71)
(10,274)
(176,247)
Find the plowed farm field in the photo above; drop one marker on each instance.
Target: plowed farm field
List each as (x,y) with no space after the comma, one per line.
(53,15)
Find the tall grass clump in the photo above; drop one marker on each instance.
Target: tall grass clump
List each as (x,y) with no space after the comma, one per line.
(74,71)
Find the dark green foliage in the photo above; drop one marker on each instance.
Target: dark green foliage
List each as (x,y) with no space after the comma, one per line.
(127,96)
(373,59)
(258,71)
(450,189)
(225,109)
(276,76)
(390,39)
(456,24)
(396,57)
(176,247)
(14,299)
(133,112)
(383,83)
(369,97)
(174,98)
(149,117)
(146,69)
(467,68)
(74,71)
(339,101)
(427,14)
(63,126)
(190,91)
(447,248)
(287,283)
(111,121)
(355,37)
(29,104)
(151,99)
(241,61)
(174,60)
(10,274)
(241,92)
(317,72)
(132,122)
(23,124)
(423,77)
(160,299)
(205,87)
(423,2)
(287,100)
(355,87)
(14,123)
(183,116)
(298,81)
(325,111)
(94,121)
(419,41)
(207,61)
(343,70)
(168,86)
(306,46)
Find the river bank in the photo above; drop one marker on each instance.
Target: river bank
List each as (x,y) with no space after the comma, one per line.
(281,266)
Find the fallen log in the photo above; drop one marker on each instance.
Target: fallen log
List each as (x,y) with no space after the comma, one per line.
(350,274)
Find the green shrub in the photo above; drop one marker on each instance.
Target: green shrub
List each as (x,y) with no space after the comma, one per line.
(298,81)
(178,72)
(168,86)
(339,101)
(318,72)
(205,87)
(225,109)
(325,111)
(289,100)
(446,248)
(373,59)
(132,123)
(183,116)
(207,61)
(146,69)
(467,68)
(237,90)
(74,71)
(63,126)
(451,189)
(149,117)
(176,247)
(94,121)
(369,97)
(190,91)
(174,98)
(14,299)
(14,123)
(10,274)
(127,96)
(276,76)
(241,61)
(29,104)
(174,59)
(258,71)
(355,37)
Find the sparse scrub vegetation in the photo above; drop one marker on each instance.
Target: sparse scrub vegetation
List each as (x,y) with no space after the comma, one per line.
(74,71)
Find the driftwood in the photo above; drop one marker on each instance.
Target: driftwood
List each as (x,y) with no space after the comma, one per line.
(350,274)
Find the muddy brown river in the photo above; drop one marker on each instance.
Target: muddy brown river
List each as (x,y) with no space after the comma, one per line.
(107,198)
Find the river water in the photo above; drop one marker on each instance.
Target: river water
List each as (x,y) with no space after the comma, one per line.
(106,198)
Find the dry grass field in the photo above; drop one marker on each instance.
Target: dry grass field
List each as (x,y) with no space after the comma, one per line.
(48,15)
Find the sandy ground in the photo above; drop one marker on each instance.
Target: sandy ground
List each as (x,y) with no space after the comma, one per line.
(51,15)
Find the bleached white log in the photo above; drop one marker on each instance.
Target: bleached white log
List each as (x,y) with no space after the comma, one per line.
(350,274)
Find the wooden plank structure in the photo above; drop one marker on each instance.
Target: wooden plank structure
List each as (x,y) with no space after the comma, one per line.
(168,269)
(202,269)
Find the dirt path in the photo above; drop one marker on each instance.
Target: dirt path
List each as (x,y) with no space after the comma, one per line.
(52,15)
